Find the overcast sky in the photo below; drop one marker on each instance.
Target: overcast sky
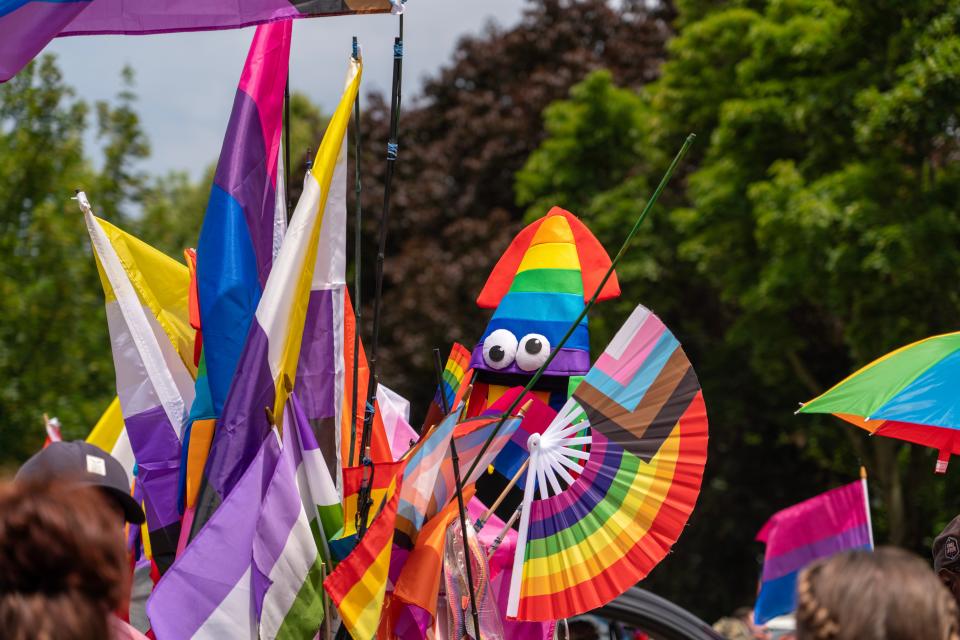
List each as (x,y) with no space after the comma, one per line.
(186,81)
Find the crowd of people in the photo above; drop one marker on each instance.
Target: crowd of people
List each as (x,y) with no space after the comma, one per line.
(65,572)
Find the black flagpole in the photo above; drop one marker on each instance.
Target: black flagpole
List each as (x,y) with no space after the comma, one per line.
(358,215)
(590,303)
(459,487)
(392,148)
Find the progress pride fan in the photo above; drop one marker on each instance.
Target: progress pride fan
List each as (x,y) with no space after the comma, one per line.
(614,477)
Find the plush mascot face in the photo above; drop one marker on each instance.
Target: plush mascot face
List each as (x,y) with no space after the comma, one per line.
(537,290)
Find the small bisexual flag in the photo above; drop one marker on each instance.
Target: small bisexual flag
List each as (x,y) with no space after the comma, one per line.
(816,528)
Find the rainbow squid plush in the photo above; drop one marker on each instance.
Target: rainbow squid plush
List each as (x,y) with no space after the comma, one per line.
(537,289)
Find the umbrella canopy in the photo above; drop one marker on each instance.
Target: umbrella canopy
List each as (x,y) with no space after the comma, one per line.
(910,394)
(594,522)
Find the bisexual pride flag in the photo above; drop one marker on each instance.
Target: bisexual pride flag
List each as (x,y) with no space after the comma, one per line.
(816,528)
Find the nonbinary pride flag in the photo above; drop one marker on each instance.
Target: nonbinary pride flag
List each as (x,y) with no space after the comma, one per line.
(816,528)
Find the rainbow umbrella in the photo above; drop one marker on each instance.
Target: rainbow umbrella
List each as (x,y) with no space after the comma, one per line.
(911,394)
(595,521)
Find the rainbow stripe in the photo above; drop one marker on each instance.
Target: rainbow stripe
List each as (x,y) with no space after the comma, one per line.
(458,362)
(358,585)
(816,528)
(606,516)
(540,285)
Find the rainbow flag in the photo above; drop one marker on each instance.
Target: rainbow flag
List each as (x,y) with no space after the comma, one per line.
(386,477)
(816,528)
(454,372)
(358,585)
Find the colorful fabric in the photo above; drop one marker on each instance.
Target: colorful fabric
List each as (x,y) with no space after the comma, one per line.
(235,250)
(606,516)
(299,510)
(28,25)
(909,394)
(384,479)
(816,528)
(538,288)
(208,591)
(153,383)
(267,371)
(419,479)
(470,436)
(501,570)
(358,585)
(394,412)
(110,435)
(454,372)
(417,588)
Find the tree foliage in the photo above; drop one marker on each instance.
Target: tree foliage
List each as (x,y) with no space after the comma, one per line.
(54,351)
(462,138)
(815,229)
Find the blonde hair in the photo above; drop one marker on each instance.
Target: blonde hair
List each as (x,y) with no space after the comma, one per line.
(888,594)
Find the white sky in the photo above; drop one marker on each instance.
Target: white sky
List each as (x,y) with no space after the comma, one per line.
(186,81)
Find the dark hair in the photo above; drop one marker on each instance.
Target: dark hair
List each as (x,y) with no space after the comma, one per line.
(63,566)
(888,594)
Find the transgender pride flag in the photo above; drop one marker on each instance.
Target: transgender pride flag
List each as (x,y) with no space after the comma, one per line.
(816,528)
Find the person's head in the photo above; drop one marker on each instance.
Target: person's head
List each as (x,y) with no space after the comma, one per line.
(946,557)
(63,567)
(84,463)
(887,594)
(733,628)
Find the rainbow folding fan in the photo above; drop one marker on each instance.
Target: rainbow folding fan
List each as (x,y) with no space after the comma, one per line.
(614,477)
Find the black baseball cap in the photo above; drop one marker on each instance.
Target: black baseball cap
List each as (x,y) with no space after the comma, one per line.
(946,547)
(82,462)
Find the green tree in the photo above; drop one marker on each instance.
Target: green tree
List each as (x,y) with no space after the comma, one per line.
(814,228)
(54,349)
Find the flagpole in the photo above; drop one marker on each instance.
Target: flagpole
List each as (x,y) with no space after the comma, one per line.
(866,503)
(358,215)
(596,294)
(392,149)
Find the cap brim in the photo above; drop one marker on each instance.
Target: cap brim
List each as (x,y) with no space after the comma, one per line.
(132,512)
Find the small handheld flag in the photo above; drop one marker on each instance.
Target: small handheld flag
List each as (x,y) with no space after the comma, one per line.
(796,536)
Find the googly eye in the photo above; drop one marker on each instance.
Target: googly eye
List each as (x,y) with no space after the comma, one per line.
(500,349)
(533,352)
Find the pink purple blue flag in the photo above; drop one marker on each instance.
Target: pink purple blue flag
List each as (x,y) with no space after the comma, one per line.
(816,528)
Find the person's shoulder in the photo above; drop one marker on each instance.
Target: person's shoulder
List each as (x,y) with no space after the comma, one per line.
(120,630)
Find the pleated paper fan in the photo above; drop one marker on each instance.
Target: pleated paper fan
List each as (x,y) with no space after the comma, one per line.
(614,477)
